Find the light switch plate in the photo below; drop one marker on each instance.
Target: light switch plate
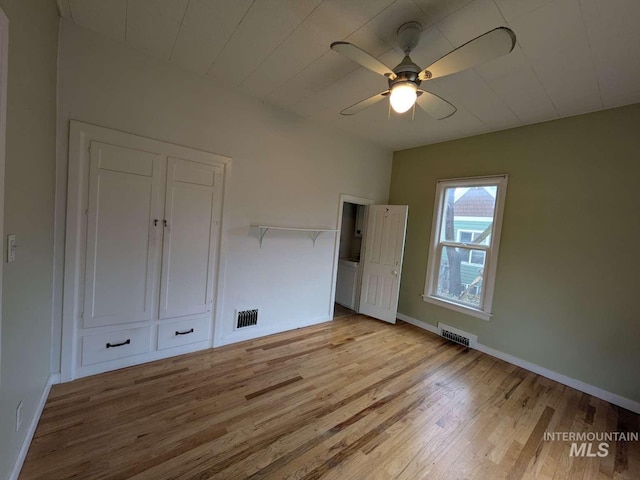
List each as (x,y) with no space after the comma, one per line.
(11,248)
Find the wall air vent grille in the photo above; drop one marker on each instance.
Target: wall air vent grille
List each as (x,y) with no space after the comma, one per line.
(454,337)
(247,318)
(458,336)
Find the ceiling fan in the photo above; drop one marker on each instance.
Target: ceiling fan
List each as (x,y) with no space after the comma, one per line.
(406,77)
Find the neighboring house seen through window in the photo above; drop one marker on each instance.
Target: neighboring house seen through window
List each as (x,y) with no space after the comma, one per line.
(465,237)
(476,257)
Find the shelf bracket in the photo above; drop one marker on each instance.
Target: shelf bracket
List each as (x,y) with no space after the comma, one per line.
(316,234)
(263,232)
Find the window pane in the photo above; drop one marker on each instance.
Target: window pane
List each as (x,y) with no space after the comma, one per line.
(460,279)
(468,214)
(477,257)
(465,237)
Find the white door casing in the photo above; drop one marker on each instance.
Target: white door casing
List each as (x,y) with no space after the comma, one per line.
(382,261)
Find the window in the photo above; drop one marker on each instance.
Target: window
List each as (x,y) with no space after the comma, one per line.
(465,234)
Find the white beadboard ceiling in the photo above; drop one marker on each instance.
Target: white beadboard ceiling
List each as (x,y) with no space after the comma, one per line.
(572,56)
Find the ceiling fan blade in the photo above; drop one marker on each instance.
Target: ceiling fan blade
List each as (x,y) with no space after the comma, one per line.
(366,103)
(493,44)
(363,58)
(434,105)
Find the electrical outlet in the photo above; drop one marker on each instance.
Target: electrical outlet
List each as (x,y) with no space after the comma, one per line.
(18,416)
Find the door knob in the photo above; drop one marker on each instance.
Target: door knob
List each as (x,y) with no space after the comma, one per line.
(395,273)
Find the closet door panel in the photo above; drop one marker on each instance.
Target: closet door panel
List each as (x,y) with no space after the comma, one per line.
(189,239)
(119,277)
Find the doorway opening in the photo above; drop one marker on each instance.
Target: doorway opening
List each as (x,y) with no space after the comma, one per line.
(351,222)
(367,268)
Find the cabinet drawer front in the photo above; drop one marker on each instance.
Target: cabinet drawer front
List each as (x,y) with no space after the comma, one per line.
(113,345)
(183,332)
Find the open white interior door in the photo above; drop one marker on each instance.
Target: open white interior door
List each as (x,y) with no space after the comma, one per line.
(382,266)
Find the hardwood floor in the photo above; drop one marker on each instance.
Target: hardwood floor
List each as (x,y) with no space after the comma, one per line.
(340,311)
(349,399)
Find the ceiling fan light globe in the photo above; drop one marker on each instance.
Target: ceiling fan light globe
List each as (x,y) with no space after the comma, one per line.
(403,96)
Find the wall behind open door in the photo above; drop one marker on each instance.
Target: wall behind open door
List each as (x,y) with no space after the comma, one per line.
(382,265)
(4,55)
(28,213)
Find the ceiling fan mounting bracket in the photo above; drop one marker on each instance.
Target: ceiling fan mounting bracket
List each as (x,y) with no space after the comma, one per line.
(409,36)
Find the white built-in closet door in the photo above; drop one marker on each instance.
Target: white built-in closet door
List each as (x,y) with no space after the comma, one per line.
(191,207)
(121,249)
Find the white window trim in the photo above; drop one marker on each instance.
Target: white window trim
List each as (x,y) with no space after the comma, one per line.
(491,260)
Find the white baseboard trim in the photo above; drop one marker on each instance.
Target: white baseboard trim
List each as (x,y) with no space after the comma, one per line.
(17,466)
(610,397)
(423,325)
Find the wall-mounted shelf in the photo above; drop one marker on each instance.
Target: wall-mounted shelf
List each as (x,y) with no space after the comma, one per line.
(315,232)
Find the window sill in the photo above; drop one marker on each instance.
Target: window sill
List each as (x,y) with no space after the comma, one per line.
(457,307)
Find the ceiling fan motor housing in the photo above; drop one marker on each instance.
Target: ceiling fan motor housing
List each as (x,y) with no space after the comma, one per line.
(406,71)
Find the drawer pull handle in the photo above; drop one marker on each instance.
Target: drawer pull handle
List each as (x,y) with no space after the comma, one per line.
(186,332)
(112,345)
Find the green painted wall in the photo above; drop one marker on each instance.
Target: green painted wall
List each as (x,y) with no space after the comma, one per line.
(567,286)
